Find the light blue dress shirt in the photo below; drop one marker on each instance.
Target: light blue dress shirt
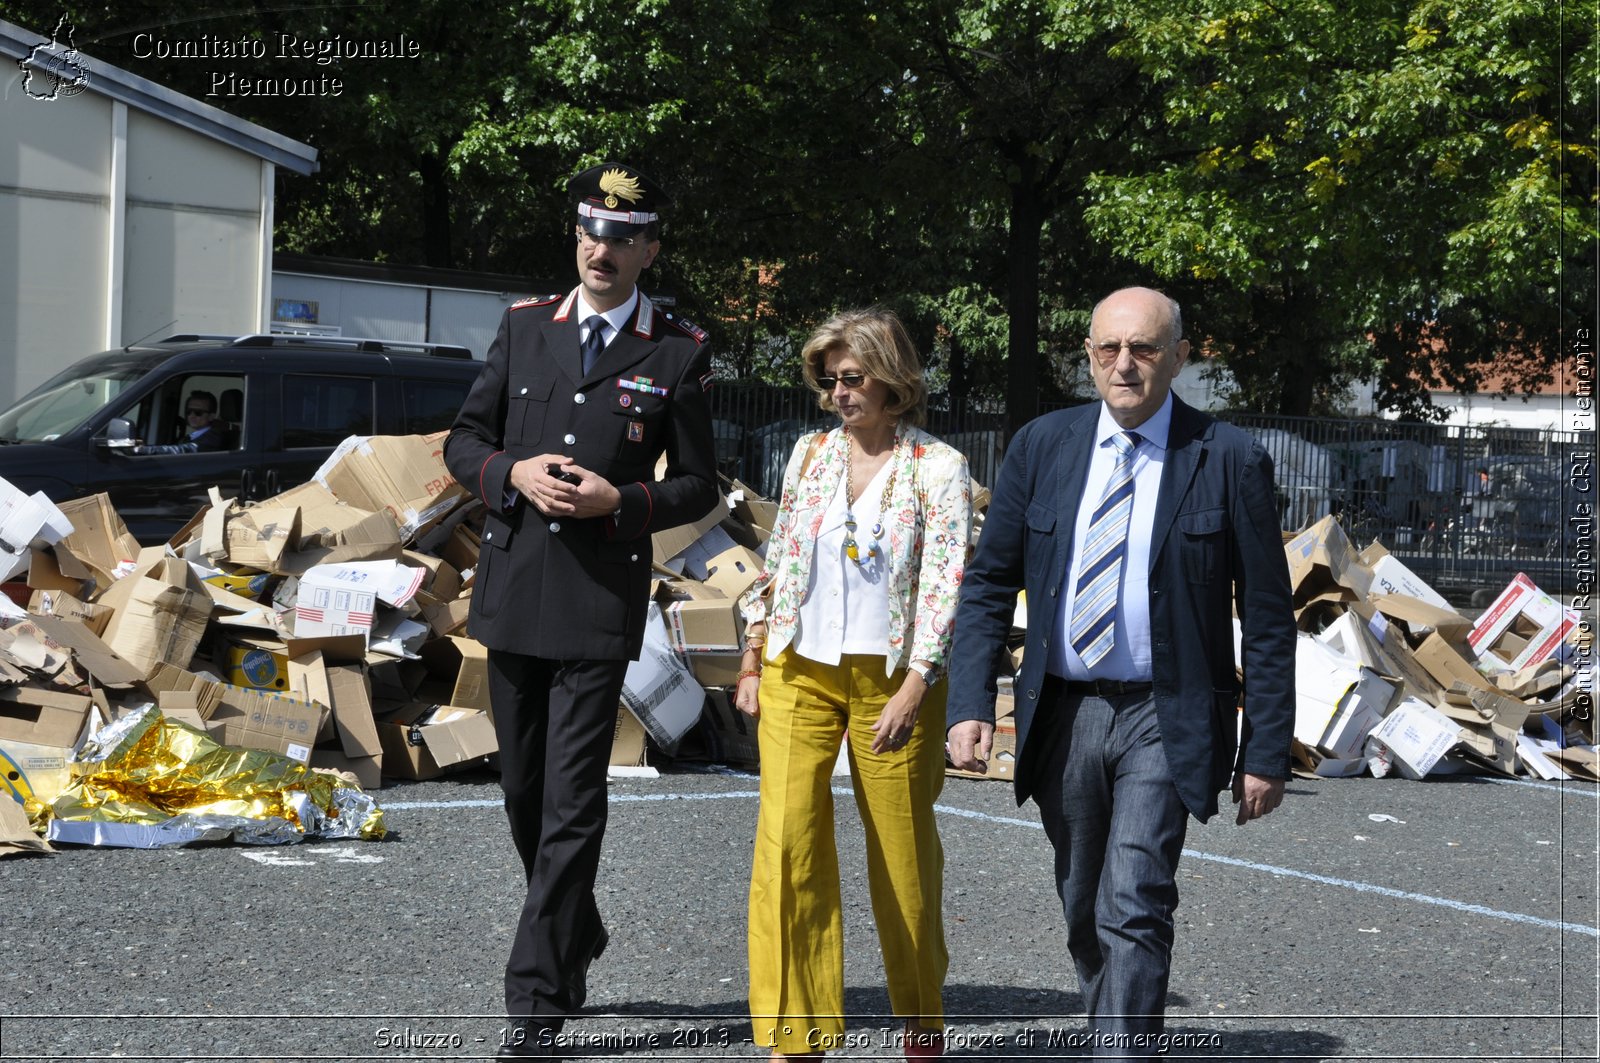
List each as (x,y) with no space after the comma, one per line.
(1129,659)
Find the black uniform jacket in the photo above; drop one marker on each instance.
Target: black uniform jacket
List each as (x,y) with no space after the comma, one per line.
(564,588)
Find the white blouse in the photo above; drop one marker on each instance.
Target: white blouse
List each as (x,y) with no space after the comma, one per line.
(846,607)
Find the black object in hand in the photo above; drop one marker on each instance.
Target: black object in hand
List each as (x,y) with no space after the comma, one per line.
(560,473)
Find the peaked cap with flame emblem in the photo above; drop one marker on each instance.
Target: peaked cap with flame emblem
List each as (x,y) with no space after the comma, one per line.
(614,199)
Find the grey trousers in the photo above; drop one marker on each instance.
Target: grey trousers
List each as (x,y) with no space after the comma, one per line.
(1110,809)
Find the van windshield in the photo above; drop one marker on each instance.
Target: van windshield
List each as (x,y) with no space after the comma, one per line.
(65,401)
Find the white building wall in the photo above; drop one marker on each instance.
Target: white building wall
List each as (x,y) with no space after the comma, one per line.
(193,234)
(54,215)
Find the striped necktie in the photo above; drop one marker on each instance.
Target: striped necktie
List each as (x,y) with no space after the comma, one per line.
(593,344)
(1094,605)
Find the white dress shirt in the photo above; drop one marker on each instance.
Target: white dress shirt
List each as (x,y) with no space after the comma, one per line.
(846,607)
(1129,659)
(614,318)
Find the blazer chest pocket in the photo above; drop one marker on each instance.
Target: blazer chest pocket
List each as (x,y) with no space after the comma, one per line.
(1203,538)
(527,404)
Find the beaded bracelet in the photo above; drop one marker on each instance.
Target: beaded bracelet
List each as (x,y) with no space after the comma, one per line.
(753,673)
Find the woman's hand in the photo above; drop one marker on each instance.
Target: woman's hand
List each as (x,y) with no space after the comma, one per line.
(747,690)
(892,730)
(747,696)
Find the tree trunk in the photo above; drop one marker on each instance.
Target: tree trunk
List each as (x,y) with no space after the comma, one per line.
(435,211)
(1022,269)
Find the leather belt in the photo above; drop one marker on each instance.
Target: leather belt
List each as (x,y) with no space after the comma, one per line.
(1107,688)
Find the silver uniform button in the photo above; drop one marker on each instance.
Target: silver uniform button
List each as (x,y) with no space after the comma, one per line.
(635,557)
(569,439)
(488,535)
(555,526)
(524,391)
(580,398)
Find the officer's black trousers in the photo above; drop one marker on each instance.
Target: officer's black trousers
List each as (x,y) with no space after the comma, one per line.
(554,721)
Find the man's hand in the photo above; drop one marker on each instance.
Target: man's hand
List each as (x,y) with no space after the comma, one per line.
(969,743)
(1256,795)
(592,495)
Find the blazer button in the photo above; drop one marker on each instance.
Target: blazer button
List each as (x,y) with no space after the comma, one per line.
(1053,592)
(1033,695)
(580,398)
(634,557)
(569,439)
(555,526)
(488,535)
(524,391)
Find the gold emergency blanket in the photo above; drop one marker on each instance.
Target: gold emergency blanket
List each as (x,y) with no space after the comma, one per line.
(147,781)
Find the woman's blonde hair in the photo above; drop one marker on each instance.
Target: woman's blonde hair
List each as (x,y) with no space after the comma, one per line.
(883,347)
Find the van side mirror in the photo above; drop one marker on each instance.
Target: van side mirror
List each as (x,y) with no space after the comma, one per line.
(118,433)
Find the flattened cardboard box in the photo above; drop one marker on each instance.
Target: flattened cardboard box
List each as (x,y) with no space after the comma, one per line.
(39,730)
(27,523)
(1523,626)
(258,719)
(404,476)
(463,663)
(160,617)
(424,741)
(100,546)
(627,742)
(1325,546)
(1417,736)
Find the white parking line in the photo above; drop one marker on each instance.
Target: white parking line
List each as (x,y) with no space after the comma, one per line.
(1192,854)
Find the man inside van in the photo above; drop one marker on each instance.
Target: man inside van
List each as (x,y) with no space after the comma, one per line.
(205,434)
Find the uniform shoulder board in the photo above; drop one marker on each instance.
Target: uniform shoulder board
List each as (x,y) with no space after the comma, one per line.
(685,325)
(535,300)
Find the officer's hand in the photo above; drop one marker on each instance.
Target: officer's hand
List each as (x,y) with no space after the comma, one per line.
(531,479)
(591,496)
(969,743)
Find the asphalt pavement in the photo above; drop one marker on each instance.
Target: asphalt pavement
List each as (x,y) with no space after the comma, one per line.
(1366,919)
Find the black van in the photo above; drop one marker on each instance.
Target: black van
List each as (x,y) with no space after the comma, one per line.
(283,404)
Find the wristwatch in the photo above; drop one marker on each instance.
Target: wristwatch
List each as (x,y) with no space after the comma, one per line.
(926,672)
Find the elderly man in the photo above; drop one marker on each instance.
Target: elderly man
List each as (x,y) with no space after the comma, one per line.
(1136,525)
(579,395)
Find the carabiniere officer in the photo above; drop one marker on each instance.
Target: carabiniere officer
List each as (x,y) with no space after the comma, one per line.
(579,396)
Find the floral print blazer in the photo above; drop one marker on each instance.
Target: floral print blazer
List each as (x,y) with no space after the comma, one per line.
(928,521)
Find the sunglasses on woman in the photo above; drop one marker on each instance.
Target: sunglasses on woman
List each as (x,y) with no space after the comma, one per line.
(851,380)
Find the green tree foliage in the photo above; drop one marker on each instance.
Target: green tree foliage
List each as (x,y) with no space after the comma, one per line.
(1390,188)
(1380,189)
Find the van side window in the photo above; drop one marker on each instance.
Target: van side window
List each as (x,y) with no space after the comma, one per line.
(319,411)
(432,405)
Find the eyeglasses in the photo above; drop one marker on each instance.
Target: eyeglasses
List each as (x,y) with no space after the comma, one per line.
(615,243)
(195,411)
(851,380)
(1143,352)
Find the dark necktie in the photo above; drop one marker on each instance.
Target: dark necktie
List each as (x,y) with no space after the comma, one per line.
(593,344)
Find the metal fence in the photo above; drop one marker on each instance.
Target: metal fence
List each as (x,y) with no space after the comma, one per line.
(1466,508)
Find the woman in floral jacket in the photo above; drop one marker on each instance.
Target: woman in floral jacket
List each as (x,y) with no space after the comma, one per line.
(847,635)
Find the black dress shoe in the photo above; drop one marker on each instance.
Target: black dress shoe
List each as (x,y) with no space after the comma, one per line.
(528,1039)
(578,985)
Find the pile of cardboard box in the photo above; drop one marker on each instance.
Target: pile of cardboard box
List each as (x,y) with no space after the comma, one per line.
(327,624)
(1389,677)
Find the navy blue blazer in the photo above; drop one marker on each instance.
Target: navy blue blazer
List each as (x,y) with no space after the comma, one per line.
(1215,543)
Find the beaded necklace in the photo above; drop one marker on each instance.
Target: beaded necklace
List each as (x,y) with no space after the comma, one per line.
(851,549)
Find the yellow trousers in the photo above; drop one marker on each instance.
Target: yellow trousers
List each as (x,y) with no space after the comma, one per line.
(796,924)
